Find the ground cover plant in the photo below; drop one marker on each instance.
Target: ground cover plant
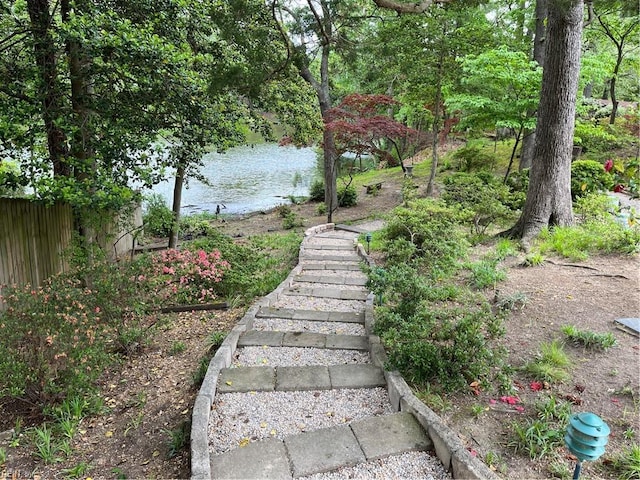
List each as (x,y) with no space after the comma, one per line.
(65,339)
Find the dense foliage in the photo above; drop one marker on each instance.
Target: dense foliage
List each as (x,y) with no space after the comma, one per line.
(59,337)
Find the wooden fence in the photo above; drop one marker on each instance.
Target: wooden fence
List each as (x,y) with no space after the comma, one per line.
(33,240)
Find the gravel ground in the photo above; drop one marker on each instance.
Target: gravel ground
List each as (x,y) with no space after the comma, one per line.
(295,357)
(410,465)
(237,417)
(284,325)
(303,302)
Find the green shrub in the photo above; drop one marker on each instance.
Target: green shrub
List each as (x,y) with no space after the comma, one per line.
(58,338)
(450,347)
(485,273)
(256,266)
(292,220)
(589,176)
(427,232)
(518,183)
(196,225)
(347,196)
(595,139)
(158,217)
(472,158)
(626,175)
(316,191)
(482,195)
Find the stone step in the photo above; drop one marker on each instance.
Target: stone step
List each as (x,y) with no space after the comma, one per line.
(331,279)
(332,341)
(336,293)
(323,450)
(310,315)
(327,292)
(351,267)
(320,257)
(314,377)
(347,247)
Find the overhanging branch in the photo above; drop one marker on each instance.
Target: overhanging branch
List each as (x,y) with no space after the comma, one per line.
(407,7)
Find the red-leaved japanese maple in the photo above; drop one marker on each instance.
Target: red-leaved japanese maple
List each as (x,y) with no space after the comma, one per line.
(362,124)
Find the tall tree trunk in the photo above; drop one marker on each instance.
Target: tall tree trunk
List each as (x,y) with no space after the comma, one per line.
(612,86)
(177,201)
(45,54)
(549,195)
(330,155)
(529,138)
(436,127)
(82,146)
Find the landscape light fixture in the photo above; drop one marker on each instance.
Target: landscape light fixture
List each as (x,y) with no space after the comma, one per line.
(587,434)
(367,237)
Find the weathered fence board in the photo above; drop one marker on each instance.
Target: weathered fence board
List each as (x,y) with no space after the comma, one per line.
(33,240)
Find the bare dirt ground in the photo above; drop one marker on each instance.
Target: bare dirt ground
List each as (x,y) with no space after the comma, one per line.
(152,392)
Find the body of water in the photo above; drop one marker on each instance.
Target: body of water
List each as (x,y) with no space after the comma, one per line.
(247,179)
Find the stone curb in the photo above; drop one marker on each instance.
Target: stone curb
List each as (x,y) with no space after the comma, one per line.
(449,449)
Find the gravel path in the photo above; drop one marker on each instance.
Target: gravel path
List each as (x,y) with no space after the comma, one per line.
(285,325)
(293,356)
(410,465)
(279,414)
(304,302)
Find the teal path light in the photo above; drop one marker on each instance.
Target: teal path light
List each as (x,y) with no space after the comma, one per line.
(587,434)
(367,237)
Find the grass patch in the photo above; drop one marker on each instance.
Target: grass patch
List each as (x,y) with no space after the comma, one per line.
(627,463)
(587,339)
(603,235)
(543,435)
(485,273)
(551,364)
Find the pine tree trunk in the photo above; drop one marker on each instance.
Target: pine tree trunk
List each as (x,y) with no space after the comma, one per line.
(549,195)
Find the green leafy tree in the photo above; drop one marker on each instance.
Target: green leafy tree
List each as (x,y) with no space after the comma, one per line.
(501,89)
(622,31)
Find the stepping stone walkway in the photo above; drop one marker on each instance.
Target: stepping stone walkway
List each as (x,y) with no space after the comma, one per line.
(293,392)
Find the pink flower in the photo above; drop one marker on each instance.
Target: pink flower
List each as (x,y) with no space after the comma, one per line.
(608,165)
(97,310)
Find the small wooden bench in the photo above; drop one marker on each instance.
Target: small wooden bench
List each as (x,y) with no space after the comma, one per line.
(374,187)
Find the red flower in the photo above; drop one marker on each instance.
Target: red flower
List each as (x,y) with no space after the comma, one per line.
(509,400)
(608,165)
(618,188)
(536,386)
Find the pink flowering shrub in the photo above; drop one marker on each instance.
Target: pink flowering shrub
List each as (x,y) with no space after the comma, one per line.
(188,277)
